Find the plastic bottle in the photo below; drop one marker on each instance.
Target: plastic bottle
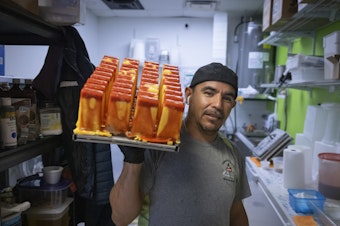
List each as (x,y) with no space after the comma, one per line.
(22,107)
(8,128)
(30,93)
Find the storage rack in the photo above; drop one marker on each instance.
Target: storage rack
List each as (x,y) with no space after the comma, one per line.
(304,23)
(21,27)
(12,157)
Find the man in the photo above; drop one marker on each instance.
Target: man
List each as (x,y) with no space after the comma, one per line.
(205,182)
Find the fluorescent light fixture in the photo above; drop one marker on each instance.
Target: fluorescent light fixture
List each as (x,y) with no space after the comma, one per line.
(201,5)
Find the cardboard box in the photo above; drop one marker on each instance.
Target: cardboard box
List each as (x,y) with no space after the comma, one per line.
(282,11)
(62,12)
(267,15)
(331,45)
(332,67)
(29,5)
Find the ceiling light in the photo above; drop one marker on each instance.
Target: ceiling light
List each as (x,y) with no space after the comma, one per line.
(201,5)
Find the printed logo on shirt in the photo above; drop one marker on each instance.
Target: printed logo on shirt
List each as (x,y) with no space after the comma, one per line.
(229,171)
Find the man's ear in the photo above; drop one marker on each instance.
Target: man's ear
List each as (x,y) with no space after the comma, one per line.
(187,101)
(188,92)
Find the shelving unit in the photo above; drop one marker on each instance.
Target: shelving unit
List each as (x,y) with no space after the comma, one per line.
(21,27)
(9,158)
(301,85)
(304,23)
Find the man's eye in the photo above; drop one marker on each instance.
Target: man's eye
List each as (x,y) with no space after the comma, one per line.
(208,93)
(229,99)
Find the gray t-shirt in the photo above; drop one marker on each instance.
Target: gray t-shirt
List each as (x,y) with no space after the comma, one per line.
(195,186)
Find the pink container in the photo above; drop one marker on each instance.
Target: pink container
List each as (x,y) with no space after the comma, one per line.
(329,171)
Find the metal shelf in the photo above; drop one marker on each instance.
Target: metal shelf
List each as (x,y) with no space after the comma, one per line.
(21,27)
(125,141)
(312,84)
(305,22)
(12,157)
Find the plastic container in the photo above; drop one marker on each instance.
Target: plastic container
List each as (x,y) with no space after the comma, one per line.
(300,200)
(11,220)
(331,45)
(328,177)
(305,68)
(307,74)
(50,119)
(8,125)
(40,216)
(22,107)
(30,93)
(39,193)
(278,164)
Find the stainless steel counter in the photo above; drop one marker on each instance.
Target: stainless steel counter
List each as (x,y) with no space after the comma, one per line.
(271,183)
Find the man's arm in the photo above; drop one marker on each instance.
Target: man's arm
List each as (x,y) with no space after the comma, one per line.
(125,198)
(238,215)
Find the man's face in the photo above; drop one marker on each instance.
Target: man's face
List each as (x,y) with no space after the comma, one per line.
(210,105)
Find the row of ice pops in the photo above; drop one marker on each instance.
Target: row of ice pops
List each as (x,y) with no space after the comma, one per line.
(111,102)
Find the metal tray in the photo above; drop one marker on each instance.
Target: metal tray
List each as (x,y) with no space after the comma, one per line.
(125,141)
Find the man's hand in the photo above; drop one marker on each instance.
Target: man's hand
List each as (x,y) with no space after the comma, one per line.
(132,154)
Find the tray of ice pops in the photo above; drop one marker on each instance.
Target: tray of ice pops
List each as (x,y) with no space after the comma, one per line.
(113,109)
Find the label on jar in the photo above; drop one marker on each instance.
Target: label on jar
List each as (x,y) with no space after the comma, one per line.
(8,128)
(50,123)
(22,115)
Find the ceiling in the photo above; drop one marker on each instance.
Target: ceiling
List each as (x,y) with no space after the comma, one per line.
(179,8)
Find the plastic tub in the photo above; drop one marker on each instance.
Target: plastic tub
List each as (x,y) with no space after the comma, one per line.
(328,179)
(278,164)
(300,200)
(38,193)
(40,216)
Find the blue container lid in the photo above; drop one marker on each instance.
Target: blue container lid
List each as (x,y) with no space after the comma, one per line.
(37,182)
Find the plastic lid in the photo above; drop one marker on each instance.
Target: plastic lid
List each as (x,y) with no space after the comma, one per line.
(330,156)
(37,182)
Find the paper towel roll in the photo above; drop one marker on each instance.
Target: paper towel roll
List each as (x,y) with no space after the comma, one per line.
(293,168)
(308,157)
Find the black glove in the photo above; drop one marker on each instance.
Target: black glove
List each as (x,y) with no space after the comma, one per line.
(132,154)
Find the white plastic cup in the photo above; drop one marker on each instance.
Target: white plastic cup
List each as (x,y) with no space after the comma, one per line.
(52,174)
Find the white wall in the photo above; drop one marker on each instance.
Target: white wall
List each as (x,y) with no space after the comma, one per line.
(112,36)
(90,34)
(26,61)
(194,42)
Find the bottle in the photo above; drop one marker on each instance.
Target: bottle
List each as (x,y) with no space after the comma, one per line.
(8,128)
(22,107)
(30,93)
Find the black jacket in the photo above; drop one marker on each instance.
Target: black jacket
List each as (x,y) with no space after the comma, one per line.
(90,162)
